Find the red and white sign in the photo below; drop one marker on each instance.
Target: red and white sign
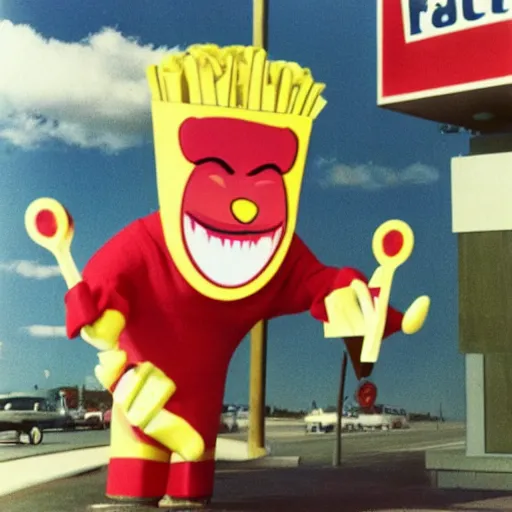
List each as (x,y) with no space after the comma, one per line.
(430,48)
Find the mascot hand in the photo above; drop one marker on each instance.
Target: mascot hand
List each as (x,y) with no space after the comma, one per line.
(344,313)
(104,333)
(415,316)
(142,393)
(111,368)
(352,311)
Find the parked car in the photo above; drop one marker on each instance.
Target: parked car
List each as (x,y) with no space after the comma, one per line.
(28,415)
(381,417)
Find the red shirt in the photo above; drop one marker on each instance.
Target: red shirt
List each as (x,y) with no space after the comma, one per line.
(187,335)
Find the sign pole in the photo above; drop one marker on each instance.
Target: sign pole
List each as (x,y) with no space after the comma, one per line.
(339,410)
(258,364)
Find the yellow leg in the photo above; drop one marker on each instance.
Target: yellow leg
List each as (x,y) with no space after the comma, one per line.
(137,470)
(125,444)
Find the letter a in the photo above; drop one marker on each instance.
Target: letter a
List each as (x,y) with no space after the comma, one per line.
(445,16)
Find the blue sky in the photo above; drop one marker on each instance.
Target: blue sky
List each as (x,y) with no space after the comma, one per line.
(64,134)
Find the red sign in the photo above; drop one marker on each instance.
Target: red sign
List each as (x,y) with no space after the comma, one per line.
(430,48)
(366,394)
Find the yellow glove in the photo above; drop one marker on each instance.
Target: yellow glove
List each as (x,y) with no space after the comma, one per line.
(104,333)
(416,315)
(344,313)
(142,393)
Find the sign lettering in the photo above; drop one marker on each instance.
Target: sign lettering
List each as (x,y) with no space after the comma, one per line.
(424,19)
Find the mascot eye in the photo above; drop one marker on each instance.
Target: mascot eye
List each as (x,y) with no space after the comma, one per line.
(218,161)
(265,167)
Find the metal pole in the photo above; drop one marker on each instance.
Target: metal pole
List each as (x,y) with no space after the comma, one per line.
(258,364)
(339,410)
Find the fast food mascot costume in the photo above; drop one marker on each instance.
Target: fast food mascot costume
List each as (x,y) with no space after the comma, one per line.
(169,298)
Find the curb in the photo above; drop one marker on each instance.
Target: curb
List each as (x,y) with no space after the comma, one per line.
(267,462)
(41,469)
(65,449)
(30,471)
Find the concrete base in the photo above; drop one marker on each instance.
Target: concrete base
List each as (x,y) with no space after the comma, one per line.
(453,469)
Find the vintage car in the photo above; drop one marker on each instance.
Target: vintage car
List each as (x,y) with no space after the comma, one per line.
(28,415)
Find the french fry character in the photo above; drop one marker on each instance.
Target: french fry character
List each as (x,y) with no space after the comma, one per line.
(187,283)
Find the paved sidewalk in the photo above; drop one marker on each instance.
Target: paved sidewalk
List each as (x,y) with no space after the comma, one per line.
(387,482)
(25,472)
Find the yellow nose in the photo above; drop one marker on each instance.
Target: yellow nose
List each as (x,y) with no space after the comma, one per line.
(244,211)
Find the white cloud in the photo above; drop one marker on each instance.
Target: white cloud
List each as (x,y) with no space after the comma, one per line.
(370,176)
(46,331)
(30,269)
(92,93)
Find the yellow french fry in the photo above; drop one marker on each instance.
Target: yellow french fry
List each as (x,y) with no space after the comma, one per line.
(173,79)
(299,73)
(224,84)
(302,94)
(314,93)
(233,86)
(284,89)
(318,107)
(193,80)
(161,82)
(207,79)
(173,83)
(154,85)
(268,103)
(236,77)
(245,75)
(275,72)
(257,80)
(208,54)
(293,97)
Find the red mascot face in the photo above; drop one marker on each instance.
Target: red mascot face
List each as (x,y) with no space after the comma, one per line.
(235,203)
(229,186)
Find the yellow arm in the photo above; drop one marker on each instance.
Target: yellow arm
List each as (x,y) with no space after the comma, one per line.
(106,330)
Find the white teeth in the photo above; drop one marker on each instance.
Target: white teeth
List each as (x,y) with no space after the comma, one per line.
(228,263)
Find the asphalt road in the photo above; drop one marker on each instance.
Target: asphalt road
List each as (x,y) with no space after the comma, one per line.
(317,449)
(55,442)
(282,440)
(380,470)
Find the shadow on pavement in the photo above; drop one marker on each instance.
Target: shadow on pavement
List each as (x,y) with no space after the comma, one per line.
(390,482)
(397,482)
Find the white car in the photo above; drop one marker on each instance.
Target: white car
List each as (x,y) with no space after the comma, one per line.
(380,417)
(320,421)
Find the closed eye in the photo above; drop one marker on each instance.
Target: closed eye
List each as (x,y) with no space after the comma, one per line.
(265,167)
(217,161)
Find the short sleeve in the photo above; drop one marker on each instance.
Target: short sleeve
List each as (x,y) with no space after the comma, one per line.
(107,281)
